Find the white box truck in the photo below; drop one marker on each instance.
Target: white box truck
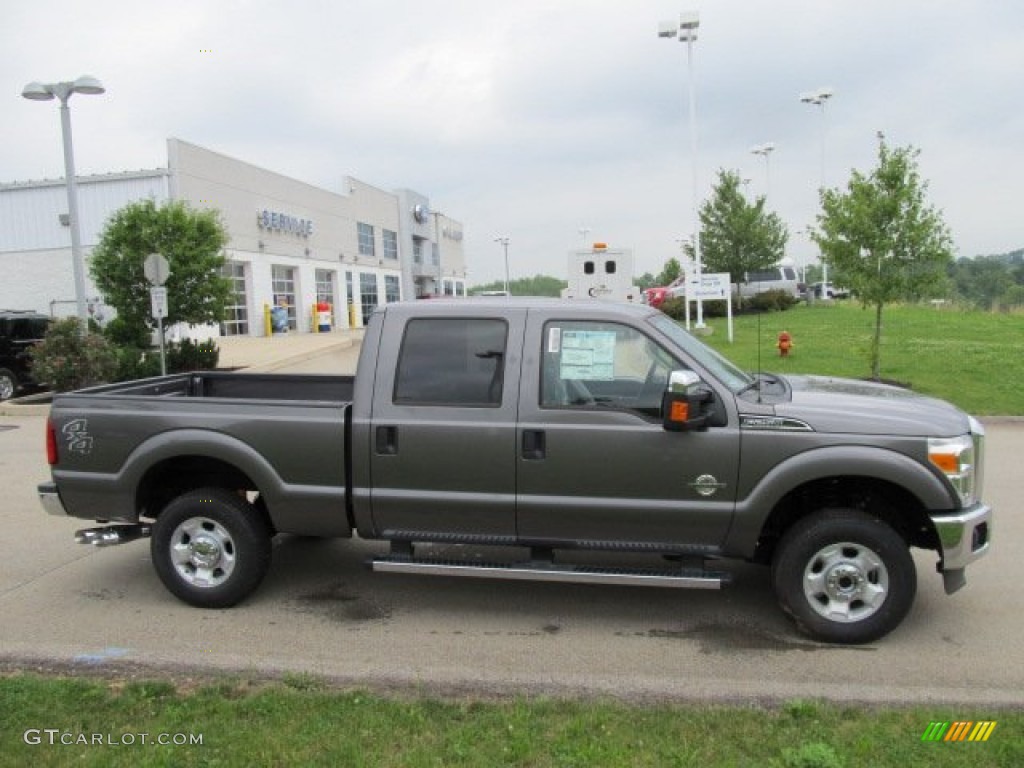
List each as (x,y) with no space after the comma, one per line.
(600,272)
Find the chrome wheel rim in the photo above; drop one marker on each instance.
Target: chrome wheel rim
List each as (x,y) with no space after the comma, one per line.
(203,552)
(846,582)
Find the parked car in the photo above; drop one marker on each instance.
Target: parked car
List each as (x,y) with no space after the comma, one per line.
(19,330)
(828,291)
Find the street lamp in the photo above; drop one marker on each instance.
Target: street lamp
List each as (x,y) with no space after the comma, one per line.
(818,98)
(765,151)
(686,31)
(504,244)
(46,92)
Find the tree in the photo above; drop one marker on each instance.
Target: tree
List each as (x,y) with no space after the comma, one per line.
(538,285)
(737,236)
(191,241)
(889,244)
(670,272)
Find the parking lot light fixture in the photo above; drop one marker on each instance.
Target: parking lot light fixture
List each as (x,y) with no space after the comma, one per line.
(63,91)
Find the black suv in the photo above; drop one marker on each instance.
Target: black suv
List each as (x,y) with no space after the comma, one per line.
(19,330)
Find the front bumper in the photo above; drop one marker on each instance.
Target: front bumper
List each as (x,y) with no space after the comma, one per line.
(49,497)
(963,537)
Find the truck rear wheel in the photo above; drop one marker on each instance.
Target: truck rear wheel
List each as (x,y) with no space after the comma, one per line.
(844,576)
(210,548)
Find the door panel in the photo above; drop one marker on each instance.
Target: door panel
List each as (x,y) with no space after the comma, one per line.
(609,471)
(443,424)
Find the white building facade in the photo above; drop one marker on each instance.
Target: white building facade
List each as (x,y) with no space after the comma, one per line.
(292,248)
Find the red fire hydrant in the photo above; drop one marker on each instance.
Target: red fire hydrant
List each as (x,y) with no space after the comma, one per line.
(785,343)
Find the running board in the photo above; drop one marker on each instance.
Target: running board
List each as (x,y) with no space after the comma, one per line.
(574,574)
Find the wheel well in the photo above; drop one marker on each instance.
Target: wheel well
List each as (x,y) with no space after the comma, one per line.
(171,478)
(889,502)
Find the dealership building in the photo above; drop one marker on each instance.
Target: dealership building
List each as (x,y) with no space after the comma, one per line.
(292,246)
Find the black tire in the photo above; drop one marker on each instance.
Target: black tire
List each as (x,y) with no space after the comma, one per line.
(8,384)
(210,548)
(844,576)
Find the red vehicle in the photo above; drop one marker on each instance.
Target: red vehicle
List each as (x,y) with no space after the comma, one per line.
(655,297)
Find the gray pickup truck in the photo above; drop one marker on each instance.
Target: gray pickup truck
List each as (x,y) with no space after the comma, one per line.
(574,441)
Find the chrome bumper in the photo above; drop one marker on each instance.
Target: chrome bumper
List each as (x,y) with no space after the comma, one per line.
(50,499)
(963,538)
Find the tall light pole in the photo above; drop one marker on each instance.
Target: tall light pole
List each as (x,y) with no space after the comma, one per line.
(46,92)
(504,239)
(818,98)
(686,31)
(765,150)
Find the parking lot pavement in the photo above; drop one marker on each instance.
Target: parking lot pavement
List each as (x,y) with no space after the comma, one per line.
(321,612)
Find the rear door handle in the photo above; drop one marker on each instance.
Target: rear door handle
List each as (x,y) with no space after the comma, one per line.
(386,441)
(534,444)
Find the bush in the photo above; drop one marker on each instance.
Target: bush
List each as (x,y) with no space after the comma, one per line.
(66,360)
(192,356)
(676,309)
(142,363)
(776,300)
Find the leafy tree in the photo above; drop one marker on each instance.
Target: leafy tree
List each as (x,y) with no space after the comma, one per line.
(888,243)
(191,241)
(738,236)
(538,285)
(646,280)
(670,272)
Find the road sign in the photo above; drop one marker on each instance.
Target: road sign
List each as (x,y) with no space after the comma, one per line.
(156,268)
(714,285)
(158,297)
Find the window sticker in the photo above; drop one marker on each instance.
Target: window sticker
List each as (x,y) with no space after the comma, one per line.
(588,355)
(554,340)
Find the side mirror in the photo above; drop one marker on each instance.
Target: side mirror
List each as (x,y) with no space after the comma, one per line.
(681,404)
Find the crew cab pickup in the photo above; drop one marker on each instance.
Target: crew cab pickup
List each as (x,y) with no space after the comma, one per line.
(570,432)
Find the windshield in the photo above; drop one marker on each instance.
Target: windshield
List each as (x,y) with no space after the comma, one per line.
(707,358)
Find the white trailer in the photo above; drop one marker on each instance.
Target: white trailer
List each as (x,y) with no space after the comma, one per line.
(600,272)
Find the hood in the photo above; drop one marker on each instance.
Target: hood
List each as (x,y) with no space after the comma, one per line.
(864,407)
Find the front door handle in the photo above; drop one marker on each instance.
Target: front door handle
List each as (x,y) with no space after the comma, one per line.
(534,444)
(386,441)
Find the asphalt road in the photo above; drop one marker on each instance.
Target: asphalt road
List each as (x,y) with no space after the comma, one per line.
(320,611)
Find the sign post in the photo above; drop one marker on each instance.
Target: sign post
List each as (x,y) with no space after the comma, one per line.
(157,270)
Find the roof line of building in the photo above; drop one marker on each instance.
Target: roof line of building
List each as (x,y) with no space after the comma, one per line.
(96,177)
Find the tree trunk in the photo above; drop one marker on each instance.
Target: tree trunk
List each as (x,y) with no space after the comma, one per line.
(876,344)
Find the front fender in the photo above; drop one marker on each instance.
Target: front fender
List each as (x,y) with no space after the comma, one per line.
(822,464)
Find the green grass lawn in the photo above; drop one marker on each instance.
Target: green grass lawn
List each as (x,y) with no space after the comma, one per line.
(299,722)
(973,359)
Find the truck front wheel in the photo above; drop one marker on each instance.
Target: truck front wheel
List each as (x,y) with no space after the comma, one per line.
(844,576)
(210,548)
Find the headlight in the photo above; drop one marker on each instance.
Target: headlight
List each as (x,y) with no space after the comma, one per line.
(956,457)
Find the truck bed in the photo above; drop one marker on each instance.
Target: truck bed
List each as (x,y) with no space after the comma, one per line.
(235,386)
(280,434)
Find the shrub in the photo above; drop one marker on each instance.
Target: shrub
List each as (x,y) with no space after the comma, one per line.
(142,363)
(776,300)
(676,309)
(66,360)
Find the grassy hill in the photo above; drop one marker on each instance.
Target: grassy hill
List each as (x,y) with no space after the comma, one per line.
(973,359)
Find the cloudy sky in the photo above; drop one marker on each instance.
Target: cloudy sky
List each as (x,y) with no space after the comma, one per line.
(540,118)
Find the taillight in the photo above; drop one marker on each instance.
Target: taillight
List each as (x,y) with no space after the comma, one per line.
(51,443)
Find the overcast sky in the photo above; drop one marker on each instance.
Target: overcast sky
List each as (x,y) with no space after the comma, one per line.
(539,118)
